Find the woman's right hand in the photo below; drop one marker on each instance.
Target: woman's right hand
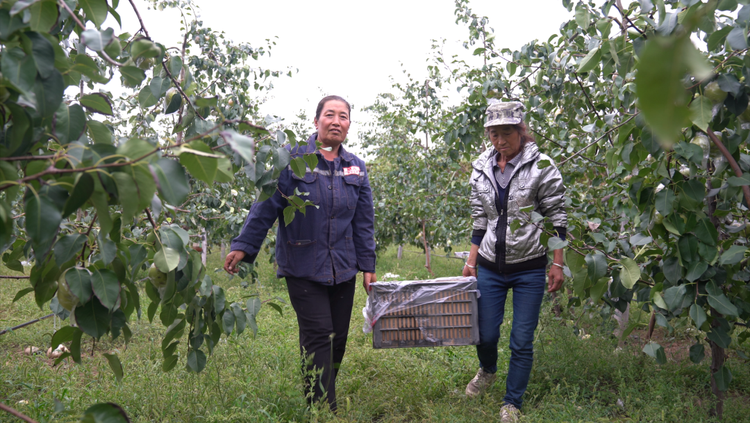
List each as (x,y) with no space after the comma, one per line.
(233,259)
(468,271)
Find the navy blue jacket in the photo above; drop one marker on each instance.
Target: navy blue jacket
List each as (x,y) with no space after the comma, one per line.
(328,244)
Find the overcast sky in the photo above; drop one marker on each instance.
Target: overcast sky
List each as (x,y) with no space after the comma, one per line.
(350,48)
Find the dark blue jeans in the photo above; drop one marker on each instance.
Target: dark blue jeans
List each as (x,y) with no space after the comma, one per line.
(528,290)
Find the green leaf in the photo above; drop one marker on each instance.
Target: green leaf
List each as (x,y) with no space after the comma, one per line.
(132,76)
(289,212)
(240,144)
(92,318)
(167,259)
(144,48)
(106,287)
(591,60)
(717,38)
(583,17)
(737,181)
(202,167)
(20,6)
(239,318)
(105,412)
(79,282)
(599,288)
(98,103)
(697,353)
(733,255)
(656,351)
(174,331)
(311,160)
(99,132)
(661,95)
(224,171)
(127,191)
(737,38)
(700,112)
(68,246)
(695,270)
(719,301)
(49,93)
(95,10)
(720,337)
(299,167)
(698,315)
(281,158)
(86,65)
(695,190)
(115,365)
(97,40)
(43,53)
(175,65)
(82,191)
(136,148)
(597,265)
(19,68)
(723,378)
(22,293)
(253,306)
(674,296)
(146,98)
(43,16)
(69,122)
(228,321)
(42,218)
(555,243)
(665,201)
(706,232)
(169,363)
(630,274)
(196,361)
(173,185)
(173,103)
(62,335)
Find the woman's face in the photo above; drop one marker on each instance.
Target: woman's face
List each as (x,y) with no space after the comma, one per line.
(506,139)
(333,124)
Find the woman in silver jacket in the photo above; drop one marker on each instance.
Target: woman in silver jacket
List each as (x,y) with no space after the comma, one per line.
(507,184)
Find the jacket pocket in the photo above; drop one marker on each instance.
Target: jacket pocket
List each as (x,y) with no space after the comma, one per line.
(307,184)
(351,187)
(301,257)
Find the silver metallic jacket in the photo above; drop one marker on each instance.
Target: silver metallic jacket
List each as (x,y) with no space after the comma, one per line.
(528,185)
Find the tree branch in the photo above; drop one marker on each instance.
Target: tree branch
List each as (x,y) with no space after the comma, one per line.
(732,162)
(18,414)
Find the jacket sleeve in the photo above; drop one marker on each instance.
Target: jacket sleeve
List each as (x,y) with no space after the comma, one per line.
(259,220)
(363,227)
(477,208)
(551,197)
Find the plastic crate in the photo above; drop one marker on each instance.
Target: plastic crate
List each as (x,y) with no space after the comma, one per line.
(437,312)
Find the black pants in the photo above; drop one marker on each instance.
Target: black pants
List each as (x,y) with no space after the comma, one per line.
(323,315)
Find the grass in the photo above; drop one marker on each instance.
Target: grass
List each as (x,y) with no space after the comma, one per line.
(256,379)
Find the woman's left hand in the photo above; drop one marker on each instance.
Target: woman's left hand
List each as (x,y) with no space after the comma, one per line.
(367,279)
(555,278)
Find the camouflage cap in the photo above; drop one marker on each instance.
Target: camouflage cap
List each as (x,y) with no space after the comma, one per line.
(504,113)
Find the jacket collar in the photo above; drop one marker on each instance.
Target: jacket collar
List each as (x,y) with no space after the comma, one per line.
(310,148)
(486,160)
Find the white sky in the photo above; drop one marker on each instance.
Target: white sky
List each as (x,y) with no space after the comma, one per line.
(349,48)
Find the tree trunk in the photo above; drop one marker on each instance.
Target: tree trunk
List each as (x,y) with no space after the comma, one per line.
(223,251)
(622,321)
(426,249)
(400,252)
(204,245)
(718,356)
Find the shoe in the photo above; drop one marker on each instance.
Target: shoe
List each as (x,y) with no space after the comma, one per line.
(480,383)
(509,414)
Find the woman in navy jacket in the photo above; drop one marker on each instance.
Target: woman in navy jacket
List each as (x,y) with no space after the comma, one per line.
(321,252)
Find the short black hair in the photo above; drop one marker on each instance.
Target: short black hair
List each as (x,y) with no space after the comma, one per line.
(328,98)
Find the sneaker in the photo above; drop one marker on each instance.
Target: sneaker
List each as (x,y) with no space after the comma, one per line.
(509,414)
(480,383)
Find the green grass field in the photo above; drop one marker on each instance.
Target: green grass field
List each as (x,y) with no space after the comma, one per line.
(257,379)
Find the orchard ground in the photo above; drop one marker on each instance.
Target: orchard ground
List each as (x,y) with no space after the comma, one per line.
(577,376)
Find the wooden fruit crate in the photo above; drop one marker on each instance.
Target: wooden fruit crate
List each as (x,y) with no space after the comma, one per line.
(438,312)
